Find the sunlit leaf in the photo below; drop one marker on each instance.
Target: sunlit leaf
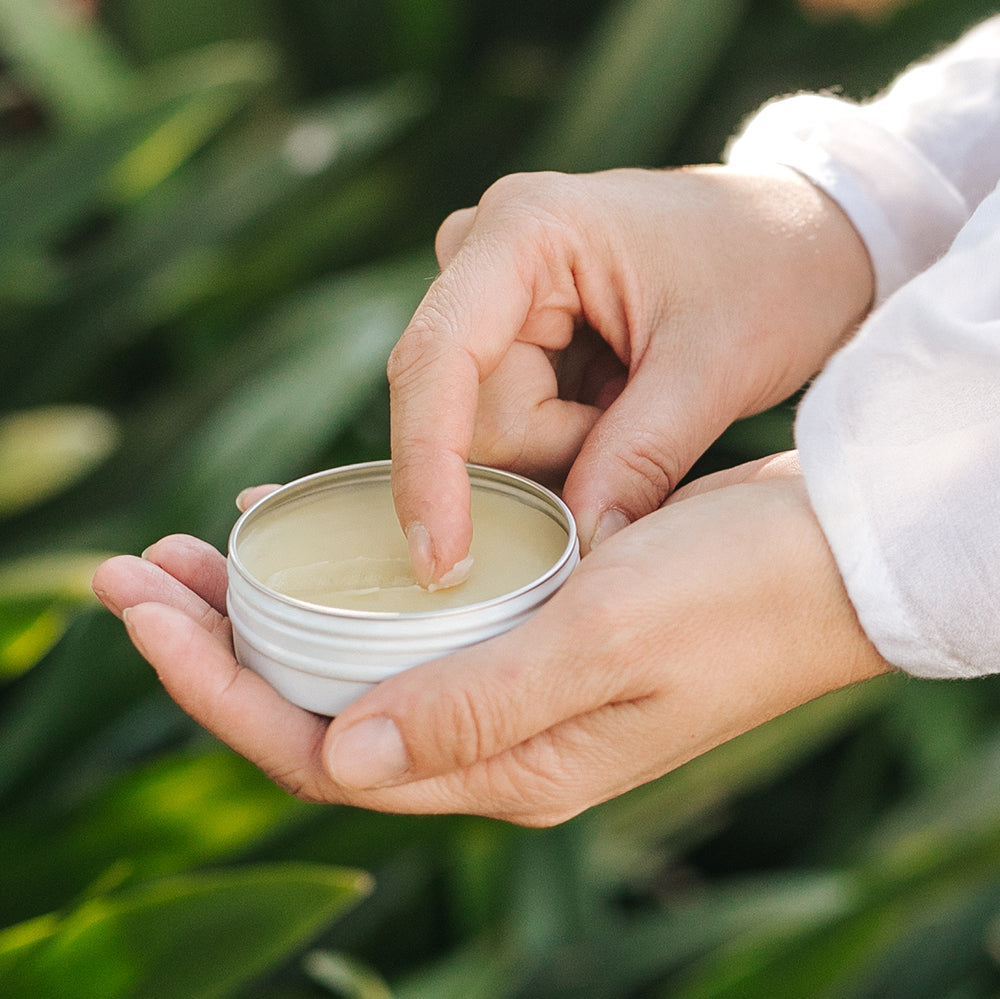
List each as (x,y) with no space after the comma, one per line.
(45,450)
(88,679)
(39,597)
(229,227)
(54,576)
(173,814)
(219,78)
(197,936)
(345,976)
(26,635)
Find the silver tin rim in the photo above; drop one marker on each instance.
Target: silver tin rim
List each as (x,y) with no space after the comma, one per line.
(374,471)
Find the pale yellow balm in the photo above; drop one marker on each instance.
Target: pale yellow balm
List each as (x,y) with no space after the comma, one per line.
(322,599)
(343,548)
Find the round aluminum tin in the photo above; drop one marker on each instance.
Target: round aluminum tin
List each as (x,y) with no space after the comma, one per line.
(323,658)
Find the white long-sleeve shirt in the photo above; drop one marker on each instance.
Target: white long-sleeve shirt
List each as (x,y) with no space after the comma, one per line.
(899,436)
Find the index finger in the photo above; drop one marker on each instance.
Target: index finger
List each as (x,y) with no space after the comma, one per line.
(468,319)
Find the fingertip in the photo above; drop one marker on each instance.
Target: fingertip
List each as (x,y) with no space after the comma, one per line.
(111,581)
(431,572)
(434,513)
(418,540)
(247,497)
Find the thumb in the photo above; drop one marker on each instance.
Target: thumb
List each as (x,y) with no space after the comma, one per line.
(453,713)
(638,451)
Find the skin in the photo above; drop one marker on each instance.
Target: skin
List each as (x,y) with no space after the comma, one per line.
(604,329)
(728,611)
(596,331)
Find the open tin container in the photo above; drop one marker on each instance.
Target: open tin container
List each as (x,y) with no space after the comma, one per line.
(320,596)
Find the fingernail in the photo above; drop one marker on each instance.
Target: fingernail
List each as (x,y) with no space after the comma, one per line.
(130,631)
(421,553)
(369,754)
(611,522)
(241,499)
(109,602)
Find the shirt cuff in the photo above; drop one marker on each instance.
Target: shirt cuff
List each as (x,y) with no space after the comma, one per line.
(875,176)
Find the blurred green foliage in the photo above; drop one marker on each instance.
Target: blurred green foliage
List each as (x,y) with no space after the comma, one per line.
(217,216)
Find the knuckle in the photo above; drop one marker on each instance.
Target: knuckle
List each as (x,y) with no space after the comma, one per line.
(513,188)
(451,232)
(467,733)
(294,781)
(648,460)
(534,204)
(414,348)
(303,778)
(527,786)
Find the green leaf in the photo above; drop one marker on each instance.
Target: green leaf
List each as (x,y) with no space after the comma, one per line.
(45,450)
(176,813)
(935,857)
(154,30)
(88,679)
(345,976)
(54,183)
(218,80)
(626,950)
(197,936)
(426,34)
(39,597)
(222,230)
(684,799)
(484,968)
(188,230)
(338,336)
(26,634)
(635,82)
(757,436)
(50,576)
(28,278)
(64,60)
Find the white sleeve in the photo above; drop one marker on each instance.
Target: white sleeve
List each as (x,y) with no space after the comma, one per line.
(908,167)
(899,437)
(899,440)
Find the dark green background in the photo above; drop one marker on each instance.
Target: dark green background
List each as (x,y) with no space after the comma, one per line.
(215,219)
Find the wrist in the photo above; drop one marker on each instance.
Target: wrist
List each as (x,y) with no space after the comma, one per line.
(804,278)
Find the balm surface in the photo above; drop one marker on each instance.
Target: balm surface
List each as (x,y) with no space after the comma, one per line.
(343,548)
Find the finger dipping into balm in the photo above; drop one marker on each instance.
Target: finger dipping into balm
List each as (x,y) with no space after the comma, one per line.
(323,600)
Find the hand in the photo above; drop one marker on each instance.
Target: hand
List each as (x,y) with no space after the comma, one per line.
(698,622)
(606,328)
